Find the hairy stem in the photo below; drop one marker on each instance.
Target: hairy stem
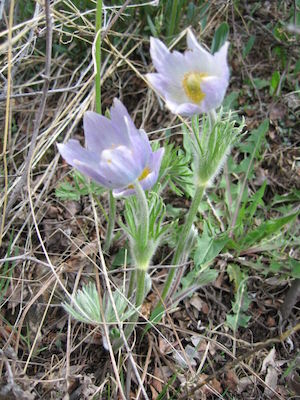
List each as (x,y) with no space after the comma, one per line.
(131,284)
(182,242)
(143,217)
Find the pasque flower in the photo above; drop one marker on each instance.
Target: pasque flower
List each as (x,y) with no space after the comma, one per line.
(117,153)
(193,82)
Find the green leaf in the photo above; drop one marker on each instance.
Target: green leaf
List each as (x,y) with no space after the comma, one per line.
(236,320)
(248,46)
(235,274)
(256,200)
(220,37)
(275,79)
(260,83)
(80,186)
(266,229)
(152,26)
(65,191)
(198,277)
(208,249)
(231,101)
(292,197)
(295,268)
(239,307)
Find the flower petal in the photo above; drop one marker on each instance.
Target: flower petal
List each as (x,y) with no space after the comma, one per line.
(119,166)
(159,83)
(192,43)
(119,114)
(74,151)
(148,182)
(159,53)
(101,134)
(171,91)
(184,109)
(220,59)
(171,65)
(214,89)
(154,166)
(84,160)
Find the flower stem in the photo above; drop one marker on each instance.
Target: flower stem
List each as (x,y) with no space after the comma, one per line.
(140,291)
(139,298)
(111,221)
(131,284)
(182,242)
(143,217)
(98,55)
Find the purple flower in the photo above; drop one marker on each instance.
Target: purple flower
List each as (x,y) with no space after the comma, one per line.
(193,82)
(116,154)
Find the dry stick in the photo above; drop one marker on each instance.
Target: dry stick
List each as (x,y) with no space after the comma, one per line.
(241,358)
(7,115)
(38,120)
(148,358)
(115,18)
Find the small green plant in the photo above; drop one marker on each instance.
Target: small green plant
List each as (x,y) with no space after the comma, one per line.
(77,187)
(241,302)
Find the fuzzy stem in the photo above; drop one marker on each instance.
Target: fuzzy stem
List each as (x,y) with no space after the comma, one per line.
(98,55)
(131,284)
(182,240)
(143,218)
(111,221)
(139,298)
(140,291)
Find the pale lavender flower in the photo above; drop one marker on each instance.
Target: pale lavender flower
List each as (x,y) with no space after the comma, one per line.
(116,154)
(193,82)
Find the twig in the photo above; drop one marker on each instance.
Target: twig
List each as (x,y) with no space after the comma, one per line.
(39,115)
(7,116)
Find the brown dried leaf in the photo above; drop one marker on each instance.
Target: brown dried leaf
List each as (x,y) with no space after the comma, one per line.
(231,380)
(271,380)
(269,360)
(244,383)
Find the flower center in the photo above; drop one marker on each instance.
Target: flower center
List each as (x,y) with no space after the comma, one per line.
(191,84)
(143,175)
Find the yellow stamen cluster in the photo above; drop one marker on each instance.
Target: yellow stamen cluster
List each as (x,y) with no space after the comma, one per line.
(191,84)
(143,175)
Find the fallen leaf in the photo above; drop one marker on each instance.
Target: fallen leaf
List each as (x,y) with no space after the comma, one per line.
(271,380)
(277,111)
(244,383)
(231,380)
(196,302)
(156,381)
(269,360)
